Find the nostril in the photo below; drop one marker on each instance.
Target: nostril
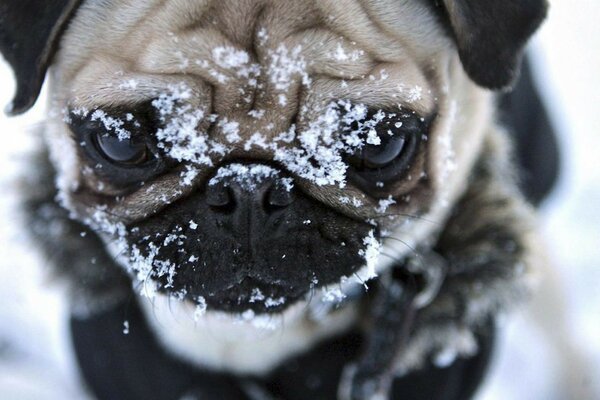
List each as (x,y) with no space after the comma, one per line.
(219,196)
(278,197)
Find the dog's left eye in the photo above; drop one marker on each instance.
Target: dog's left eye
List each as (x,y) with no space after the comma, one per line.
(390,147)
(119,145)
(127,151)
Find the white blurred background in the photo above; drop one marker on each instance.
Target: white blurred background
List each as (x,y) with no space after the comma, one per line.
(548,351)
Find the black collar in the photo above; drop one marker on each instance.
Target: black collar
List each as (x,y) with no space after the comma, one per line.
(118,366)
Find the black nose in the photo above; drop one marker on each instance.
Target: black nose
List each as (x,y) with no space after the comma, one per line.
(255,189)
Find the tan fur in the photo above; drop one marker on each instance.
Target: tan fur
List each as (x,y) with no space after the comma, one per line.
(158,43)
(156,46)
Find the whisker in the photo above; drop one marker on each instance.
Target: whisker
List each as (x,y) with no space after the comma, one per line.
(362,282)
(409,216)
(398,260)
(412,249)
(401,241)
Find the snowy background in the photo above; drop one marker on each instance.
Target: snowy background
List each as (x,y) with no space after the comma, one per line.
(550,350)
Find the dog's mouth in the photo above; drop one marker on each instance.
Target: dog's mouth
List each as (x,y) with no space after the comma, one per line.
(259,297)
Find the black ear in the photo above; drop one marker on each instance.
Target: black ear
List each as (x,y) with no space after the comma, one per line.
(491,35)
(29,34)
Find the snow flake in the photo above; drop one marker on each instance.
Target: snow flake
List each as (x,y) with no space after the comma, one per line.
(271,302)
(285,65)
(334,295)
(111,124)
(248,176)
(200,308)
(229,57)
(384,204)
(370,253)
(188,176)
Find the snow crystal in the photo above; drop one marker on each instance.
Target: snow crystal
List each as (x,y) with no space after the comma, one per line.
(256,295)
(129,84)
(179,136)
(319,158)
(231,129)
(370,253)
(256,114)
(347,200)
(188,176)
(247,176)
(111,124)
(229,57)
(356,202)
(200,308)
(373,138)
(383,204)
(334,295)
(262,36)
(126,327)
(236,61)
(271,302)
(445,358)
(100,221)
(413,94)
(340,54)
(258,140)
(142,266)
(285,64)
(262,322)
(317,153)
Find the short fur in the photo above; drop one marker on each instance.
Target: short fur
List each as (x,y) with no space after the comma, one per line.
(458,240)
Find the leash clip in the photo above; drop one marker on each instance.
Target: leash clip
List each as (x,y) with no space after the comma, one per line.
(432,268)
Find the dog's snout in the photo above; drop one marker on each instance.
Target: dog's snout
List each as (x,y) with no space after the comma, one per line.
(252,190)
(266,196)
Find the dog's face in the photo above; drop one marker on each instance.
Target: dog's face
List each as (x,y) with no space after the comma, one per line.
(240,154)
(243,153)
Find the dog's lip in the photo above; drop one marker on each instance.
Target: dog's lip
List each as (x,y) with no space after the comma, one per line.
(257,295)
(250,281)
(244,287)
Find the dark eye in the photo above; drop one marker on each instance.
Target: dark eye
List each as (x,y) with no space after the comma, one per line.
(377,156)
(120,145)
(390,146)
(127,151)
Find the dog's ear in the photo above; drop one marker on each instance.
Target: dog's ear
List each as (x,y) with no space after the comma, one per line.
(491,35)
(29,34)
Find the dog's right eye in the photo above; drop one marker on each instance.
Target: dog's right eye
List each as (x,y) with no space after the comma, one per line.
(120,146)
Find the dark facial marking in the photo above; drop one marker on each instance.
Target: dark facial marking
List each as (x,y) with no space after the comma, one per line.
(258,248)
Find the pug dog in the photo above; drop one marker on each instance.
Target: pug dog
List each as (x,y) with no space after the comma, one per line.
(277,199)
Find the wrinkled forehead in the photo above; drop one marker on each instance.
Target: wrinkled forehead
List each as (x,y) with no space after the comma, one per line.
(253,54)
